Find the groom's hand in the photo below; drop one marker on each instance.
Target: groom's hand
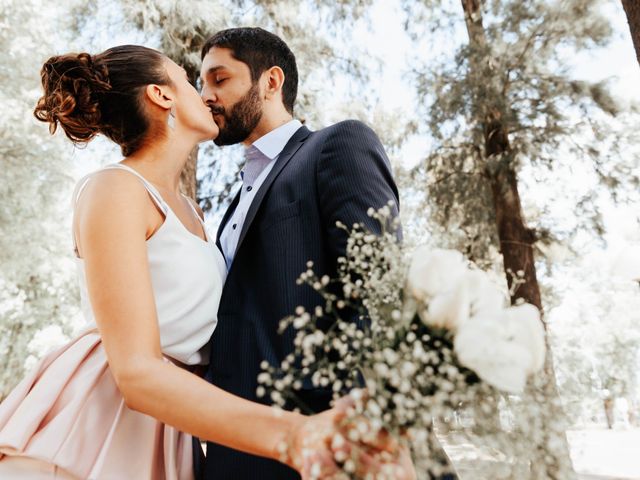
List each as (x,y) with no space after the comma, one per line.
(309,449)
(362,449)
(383,456)
(335,444)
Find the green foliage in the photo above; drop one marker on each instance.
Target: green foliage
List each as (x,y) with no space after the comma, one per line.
(553,119)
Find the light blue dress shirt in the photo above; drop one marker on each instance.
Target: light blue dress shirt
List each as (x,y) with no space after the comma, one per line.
(261,157)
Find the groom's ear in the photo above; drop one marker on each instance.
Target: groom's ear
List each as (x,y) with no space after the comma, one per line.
(274,82)
(159,95)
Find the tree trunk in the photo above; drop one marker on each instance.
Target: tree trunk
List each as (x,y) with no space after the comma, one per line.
(516,240)
(188,183)
(632,9)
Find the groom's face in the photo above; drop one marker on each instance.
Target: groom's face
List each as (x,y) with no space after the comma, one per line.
(234,99)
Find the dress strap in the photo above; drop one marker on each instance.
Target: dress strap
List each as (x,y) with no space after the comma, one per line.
(79,188)
(190,202)
(153,192)
(74,201)
(195,212)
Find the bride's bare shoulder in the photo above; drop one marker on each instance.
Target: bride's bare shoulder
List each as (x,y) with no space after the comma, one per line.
(112,188)
(114,205)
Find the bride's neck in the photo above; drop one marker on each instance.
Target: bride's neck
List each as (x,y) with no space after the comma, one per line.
(162,161)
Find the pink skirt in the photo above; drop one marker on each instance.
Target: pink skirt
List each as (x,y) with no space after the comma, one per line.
(25,468)
(68,416)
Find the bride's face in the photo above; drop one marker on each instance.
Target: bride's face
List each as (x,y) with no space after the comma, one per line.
(191,113)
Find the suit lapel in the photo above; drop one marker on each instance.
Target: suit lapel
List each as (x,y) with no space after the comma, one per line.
(285,156)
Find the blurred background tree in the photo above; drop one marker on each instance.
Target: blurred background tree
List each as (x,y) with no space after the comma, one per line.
(37,279)
(503,107)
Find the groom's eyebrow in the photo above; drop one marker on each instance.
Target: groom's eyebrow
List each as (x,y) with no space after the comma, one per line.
(215,69)
(211,71)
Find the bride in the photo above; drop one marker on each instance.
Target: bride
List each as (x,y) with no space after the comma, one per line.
(114,402)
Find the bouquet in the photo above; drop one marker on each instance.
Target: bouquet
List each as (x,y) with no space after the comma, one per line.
(420,334)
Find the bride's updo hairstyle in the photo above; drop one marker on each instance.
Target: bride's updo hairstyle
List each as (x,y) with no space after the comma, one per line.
(91,94)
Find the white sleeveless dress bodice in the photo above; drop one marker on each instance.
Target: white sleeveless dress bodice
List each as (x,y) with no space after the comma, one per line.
(187,274)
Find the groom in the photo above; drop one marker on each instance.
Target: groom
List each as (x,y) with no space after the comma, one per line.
(296,184)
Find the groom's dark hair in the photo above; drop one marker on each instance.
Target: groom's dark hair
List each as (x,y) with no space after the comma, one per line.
(260,50)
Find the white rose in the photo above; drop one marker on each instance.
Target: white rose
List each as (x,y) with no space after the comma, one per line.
(500,364)
(448,309)
(475,293)
(527,329)
(485,297)
(434,271)
(503,348)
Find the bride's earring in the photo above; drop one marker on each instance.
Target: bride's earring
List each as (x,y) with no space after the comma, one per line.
(171,119)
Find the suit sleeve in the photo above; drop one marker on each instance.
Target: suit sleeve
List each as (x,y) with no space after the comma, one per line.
(353,175)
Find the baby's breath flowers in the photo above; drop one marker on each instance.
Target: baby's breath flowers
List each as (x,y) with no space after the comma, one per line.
(418,335)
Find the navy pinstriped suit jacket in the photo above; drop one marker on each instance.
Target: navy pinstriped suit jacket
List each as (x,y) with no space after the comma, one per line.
(334,174)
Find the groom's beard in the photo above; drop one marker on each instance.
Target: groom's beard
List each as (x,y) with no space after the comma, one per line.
(241,120)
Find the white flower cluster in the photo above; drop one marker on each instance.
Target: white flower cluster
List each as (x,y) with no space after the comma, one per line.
(502,345)
(422,334)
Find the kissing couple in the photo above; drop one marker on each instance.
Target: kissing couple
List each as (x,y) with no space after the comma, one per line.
(178,323)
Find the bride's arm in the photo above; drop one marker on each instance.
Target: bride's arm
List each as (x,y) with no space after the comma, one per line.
(113,219)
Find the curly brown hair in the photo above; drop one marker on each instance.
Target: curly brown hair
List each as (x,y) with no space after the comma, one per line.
(101,94)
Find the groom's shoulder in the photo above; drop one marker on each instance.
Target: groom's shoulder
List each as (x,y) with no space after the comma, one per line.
(346,127)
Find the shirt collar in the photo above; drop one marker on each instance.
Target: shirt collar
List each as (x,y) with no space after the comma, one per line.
(274,142)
